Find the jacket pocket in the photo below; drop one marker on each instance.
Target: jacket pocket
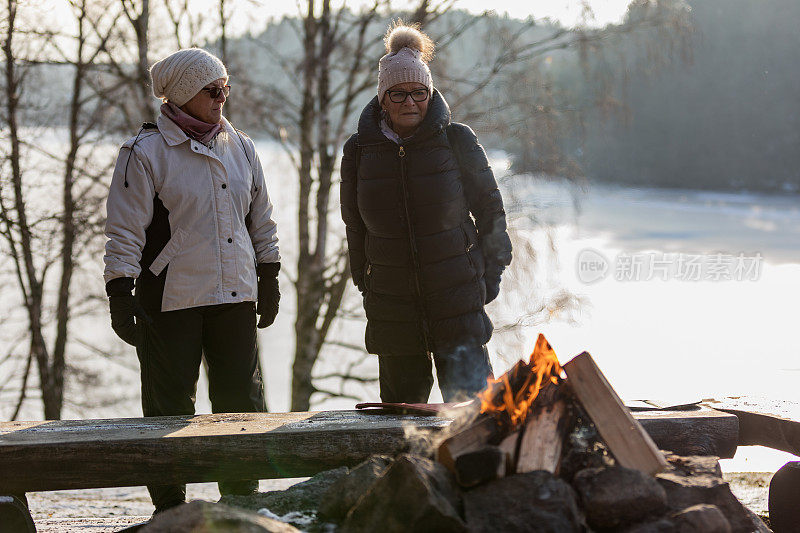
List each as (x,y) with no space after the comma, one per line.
(171,249)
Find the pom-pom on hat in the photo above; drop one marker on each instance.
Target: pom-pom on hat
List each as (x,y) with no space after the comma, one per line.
(408,51)
(180,76)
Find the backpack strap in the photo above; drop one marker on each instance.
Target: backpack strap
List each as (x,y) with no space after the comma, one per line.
(454,145)
(145,126)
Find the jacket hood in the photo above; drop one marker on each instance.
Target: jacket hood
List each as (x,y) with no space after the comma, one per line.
(436,119)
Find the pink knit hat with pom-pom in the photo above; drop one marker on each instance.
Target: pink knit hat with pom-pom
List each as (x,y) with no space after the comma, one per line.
(408,51)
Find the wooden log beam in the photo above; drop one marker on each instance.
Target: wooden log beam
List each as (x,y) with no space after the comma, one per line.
(702,431)
(775,424)
(74,454)
(53,455)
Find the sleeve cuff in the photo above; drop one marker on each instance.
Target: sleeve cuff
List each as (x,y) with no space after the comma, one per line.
(119,287)
(268,270)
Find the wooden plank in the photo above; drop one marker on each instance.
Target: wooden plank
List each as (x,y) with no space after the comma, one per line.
(543,439)
(126,452)
(56,455)
(624,436)
(763,422)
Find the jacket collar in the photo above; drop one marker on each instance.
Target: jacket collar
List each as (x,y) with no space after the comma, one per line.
(436,119)
(174,135)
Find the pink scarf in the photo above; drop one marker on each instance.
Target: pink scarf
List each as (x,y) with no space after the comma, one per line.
(194,128)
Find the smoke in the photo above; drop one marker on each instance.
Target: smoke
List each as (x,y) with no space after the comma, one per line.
(425,442)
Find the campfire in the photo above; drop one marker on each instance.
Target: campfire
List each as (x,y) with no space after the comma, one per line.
(544,447)
(526,413)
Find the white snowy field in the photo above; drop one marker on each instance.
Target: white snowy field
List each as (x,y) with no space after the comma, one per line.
(662,320)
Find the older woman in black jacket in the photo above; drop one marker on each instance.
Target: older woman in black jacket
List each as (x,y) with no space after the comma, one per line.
(426,231)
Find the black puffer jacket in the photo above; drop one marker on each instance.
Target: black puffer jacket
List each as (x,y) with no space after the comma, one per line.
(415,251)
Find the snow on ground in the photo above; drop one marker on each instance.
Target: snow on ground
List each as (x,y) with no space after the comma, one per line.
(105,510)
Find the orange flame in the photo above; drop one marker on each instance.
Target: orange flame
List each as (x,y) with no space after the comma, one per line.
(510,397)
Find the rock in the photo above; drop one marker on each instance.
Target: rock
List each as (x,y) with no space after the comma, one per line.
(616,497)
(701,518)
(305,496)
(532,502)
(207,517)
(784,512)
(347,490)
(415,494)
(692,480)
(758,524)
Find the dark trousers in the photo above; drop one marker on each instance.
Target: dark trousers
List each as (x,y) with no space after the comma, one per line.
(462,373)
(170,350)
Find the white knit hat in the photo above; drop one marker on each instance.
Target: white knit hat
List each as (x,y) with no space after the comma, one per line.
(407,52)
(180,76)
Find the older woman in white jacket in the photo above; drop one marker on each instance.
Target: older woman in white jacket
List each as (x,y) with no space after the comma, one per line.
(190,227)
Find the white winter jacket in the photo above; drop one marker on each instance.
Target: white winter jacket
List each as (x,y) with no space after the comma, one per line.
(211,254)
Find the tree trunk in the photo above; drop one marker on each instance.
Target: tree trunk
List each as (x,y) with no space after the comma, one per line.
(142,27)
(68,227)
(305,322)
(30,285)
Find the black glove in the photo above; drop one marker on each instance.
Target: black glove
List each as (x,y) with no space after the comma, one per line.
(268,293)
(124,308)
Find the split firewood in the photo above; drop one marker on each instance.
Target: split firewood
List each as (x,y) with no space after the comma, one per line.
(538,444)
(631,446)
(482,431)
(543,439)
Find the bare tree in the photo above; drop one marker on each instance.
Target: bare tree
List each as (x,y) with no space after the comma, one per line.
(36,240)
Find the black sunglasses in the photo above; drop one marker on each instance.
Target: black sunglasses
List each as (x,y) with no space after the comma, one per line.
(214,92)
(398,97)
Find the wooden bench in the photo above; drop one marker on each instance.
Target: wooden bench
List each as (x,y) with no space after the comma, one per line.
(75,454)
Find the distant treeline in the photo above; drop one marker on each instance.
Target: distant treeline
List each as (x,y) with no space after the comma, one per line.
(712,107)
(727,119)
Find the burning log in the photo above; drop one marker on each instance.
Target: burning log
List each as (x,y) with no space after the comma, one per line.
(477,435)
(523,412)
(631,445)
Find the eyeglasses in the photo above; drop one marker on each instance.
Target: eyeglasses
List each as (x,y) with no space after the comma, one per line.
(398,97)
(214,92)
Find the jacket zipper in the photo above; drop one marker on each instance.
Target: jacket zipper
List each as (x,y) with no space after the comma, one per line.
(468,248)
(414,253)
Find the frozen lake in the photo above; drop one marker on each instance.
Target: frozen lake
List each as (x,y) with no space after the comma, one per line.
(711,309)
